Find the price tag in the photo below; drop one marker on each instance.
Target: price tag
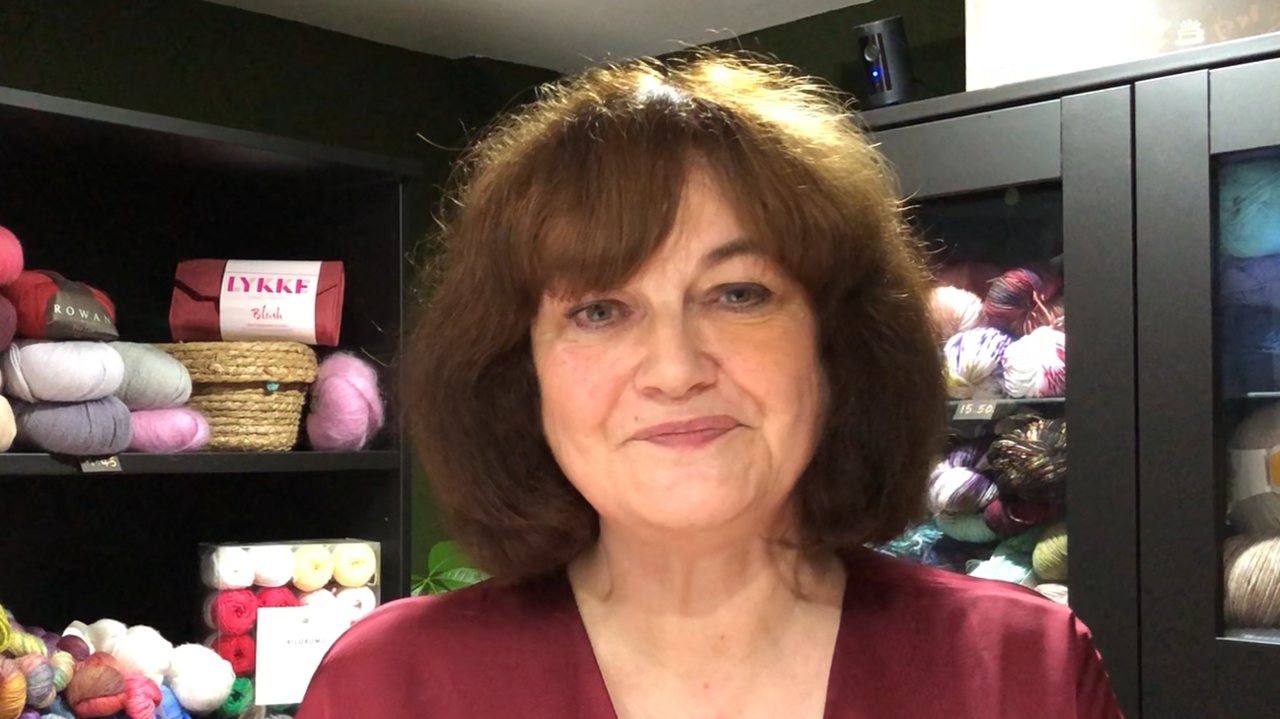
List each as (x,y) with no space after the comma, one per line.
(101,464)
(975,409)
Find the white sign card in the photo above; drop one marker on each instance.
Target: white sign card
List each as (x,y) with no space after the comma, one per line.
(291,642)
(269,300)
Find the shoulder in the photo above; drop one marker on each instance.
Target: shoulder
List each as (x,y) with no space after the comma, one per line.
(432,651)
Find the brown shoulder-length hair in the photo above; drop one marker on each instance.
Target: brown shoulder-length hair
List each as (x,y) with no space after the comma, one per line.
(577,190)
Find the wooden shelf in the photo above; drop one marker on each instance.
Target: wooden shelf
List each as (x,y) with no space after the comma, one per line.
(28,464)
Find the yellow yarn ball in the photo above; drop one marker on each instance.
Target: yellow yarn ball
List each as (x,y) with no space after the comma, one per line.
(13,689)
(1050,555)
(22,644)
(354,564)
(312,567)
(4,629)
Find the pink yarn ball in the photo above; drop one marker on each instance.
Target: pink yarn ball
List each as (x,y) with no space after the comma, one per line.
(954,310)
(10,257)
(346,407)
(168,430)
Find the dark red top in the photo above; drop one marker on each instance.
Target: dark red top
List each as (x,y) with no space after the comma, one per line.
(914,641)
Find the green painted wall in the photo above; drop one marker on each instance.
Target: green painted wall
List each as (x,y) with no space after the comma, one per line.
(219,65)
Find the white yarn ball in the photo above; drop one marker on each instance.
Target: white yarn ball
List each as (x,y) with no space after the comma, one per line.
(974,363)
(228,568)
(145,650)
(317,598)
(8,425)
(104,633)
(360,600)
(272,565)
(1035,364)
(200,679)
(59,371)
(1056,592)
(954,310)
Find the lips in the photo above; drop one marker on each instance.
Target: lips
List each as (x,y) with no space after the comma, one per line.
(698,430)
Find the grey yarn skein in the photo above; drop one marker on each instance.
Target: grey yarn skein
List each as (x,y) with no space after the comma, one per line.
(56,371)
(83,429)
(153,379)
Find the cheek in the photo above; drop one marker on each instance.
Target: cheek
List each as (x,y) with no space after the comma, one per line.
(579,391)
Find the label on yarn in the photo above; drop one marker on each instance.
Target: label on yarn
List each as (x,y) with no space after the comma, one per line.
(101,464)
(975,409)
(291,641)
(269,300)
(1253,472)
(74,313)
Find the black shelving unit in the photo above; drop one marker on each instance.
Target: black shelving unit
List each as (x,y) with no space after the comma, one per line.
(116,199)
(1154,393)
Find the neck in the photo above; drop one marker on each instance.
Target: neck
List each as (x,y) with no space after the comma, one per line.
(694,599)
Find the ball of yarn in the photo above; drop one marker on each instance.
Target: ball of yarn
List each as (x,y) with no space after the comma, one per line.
(359,600)
(39,676)
(48,371)
(58,710)
(1005,565)
(1016,301)
(312,567)
(270,597)
(966,528)
(238,649)
(227,568)
(13,688)
(64,667)
(960,490)
(8,323)
(346,406)
(24,643)
(974,363)
(181,429)
(1054,591)
(30,295)
(152,378)
(272,564)
(76,646)
(239,699)
(1249,207)
(1258,514)
(354,564)
(1030,460)
(954,310)
(8,425)
(143,650)
(104,633)
(1251,579)
(1035,365)
(1007,516)
(317,598)
(85,429)
(10,257)
(96,691)
(142,697)
(1050,556)
(199,678)
(231,611)
(969,453)
(170,708)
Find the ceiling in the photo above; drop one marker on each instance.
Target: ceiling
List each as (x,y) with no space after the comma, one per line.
(561,35)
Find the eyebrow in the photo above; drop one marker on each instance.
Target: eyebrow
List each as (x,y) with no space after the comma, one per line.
(727,251)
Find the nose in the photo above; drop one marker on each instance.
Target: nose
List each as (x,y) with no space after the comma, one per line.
(676,364)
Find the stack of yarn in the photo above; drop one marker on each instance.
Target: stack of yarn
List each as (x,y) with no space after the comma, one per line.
(1249,273)
(10,268)
(72,386)
(1001,337)
(1251,553)
(243,579)
(996,508)
(107,669)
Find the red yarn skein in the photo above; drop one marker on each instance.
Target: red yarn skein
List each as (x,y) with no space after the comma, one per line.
(10,257)
(233,611)
(1017,300)
(277,597)
(239,650)
(96,690)
(30,294)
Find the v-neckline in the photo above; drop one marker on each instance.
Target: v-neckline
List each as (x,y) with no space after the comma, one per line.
(597,691)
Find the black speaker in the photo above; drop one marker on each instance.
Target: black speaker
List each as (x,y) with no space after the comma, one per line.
(883,62)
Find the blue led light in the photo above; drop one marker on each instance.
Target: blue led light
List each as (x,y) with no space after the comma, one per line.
(875,73)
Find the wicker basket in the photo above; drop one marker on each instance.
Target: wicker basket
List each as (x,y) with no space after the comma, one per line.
(252,393)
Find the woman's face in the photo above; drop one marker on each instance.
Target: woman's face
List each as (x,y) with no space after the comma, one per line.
(688,399)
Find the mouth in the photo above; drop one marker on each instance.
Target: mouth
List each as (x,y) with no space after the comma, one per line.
(694,432)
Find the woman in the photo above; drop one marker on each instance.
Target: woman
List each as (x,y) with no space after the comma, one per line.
(676,374)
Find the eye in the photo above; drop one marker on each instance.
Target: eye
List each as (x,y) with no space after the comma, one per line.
(596,315)
(744,295)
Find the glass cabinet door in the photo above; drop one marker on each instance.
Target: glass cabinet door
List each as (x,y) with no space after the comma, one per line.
(1208,220)
(1026,217)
